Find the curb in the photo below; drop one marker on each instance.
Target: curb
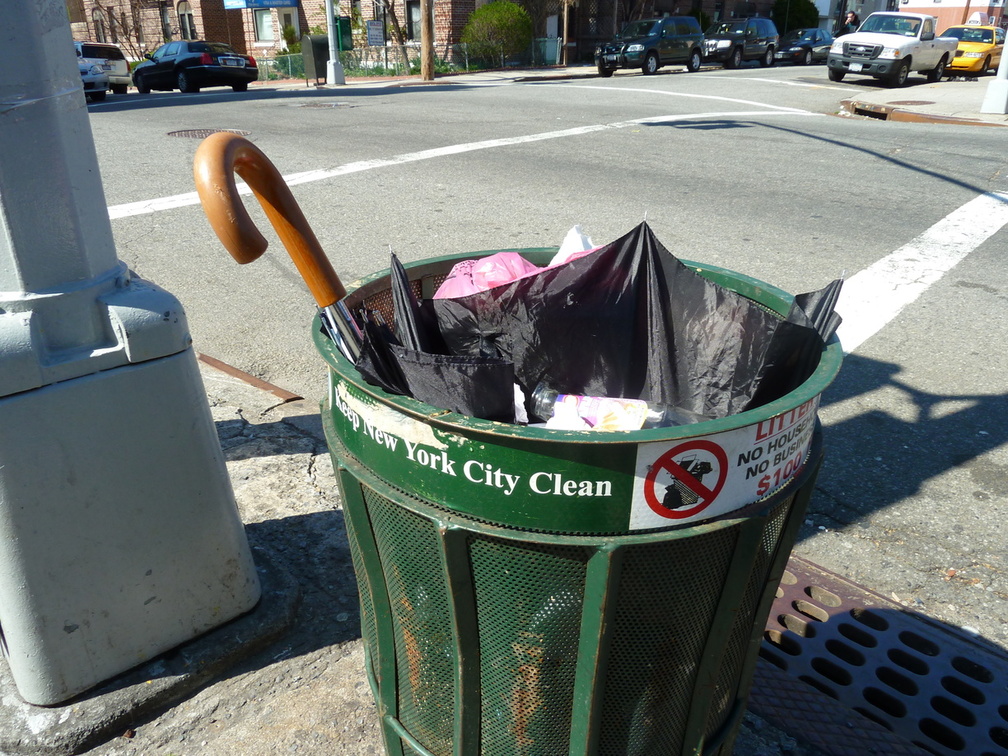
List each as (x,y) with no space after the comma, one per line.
(891,113)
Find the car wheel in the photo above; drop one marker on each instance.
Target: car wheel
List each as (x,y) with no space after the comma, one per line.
(986,65)
(96,96)
(119,89)
(693,64)
(807,59)
(835,75)
(735,59)
(937,72)
(650,64)
(243,87)
(141,84)
(184,84)
(768,59)
(603,71)
(898,79)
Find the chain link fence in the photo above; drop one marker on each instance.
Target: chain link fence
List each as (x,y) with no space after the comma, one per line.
(393,60)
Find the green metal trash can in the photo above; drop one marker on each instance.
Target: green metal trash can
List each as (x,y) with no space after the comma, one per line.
(532,592)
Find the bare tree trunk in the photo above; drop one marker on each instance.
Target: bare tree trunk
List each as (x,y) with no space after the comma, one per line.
(397,33)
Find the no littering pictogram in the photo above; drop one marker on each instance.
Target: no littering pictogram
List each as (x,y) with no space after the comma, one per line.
(685,480)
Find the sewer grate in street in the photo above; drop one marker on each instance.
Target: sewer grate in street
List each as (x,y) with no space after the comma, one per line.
(931,685)
(869,109)
(204,133)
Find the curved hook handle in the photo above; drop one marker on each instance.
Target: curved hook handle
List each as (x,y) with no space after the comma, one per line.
(218,158)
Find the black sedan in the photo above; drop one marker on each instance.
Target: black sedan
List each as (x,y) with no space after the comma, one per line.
(190,65)
(804,46)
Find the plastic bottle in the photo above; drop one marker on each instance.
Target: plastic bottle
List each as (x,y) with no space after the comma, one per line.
(606,413)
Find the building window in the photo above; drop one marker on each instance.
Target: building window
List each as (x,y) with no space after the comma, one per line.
(263,25)
(290,29)
(412,19)
(100,26)
(187,23)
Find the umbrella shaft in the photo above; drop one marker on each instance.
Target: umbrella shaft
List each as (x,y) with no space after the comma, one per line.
(342,329)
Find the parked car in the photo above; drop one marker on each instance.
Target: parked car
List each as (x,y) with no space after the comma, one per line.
(733,41)
(888,46)
(94,80)
(190,65)
(112,61)
(651,44)
(804,46)
(979,49)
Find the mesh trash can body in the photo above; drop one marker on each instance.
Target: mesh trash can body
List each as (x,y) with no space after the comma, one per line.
(532,592)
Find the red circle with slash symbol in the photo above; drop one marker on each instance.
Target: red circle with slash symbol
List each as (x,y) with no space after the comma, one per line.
(688,464)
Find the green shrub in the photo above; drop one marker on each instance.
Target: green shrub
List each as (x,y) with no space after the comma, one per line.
(794,14)
(497,31)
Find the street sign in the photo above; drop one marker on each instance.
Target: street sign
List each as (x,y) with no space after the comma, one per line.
(242,4)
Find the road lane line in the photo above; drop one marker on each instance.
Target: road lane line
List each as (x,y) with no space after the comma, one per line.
(873,297)
(160,204)
(687,95)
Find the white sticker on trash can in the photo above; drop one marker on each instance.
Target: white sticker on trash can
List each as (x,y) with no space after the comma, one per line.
(697,478)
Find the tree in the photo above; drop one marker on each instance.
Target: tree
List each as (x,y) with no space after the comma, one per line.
(500,29)
(397,31)
(794,14)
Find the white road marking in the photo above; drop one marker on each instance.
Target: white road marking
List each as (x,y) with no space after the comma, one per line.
(686,95)
(873,297)
(159,204)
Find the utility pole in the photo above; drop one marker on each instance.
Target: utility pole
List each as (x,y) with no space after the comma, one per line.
(427,40)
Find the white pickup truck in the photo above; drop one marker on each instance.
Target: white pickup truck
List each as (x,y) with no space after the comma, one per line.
(889,46)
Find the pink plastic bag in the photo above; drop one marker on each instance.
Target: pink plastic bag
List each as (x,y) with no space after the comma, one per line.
(471,276)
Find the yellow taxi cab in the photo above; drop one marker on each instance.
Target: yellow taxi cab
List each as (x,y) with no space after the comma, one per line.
(979,48)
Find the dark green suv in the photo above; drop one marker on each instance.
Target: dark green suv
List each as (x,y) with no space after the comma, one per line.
(732,41)
(651,44)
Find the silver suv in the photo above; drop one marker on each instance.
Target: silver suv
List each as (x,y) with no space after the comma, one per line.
(111,60)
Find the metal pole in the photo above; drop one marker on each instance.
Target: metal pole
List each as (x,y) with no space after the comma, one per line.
(996,98)
(334,69)
(116,511)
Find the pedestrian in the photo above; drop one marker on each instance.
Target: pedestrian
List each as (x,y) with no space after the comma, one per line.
(850,24)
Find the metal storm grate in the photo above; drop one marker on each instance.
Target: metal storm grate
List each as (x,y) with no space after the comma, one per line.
(930,685)
(204,133)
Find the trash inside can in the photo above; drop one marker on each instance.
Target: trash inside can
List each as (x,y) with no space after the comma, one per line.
(533,591)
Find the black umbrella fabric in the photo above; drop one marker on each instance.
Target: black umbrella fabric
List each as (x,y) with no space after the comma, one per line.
(631,320)
(415,325)
(405,359)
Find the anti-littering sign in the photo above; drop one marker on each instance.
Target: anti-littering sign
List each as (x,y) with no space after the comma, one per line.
(697,478)
(603,486)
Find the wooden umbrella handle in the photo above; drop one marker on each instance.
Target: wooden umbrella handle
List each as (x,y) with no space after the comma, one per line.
(218,158)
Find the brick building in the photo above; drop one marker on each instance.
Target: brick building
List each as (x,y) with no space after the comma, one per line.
(142,25)
(258,27)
